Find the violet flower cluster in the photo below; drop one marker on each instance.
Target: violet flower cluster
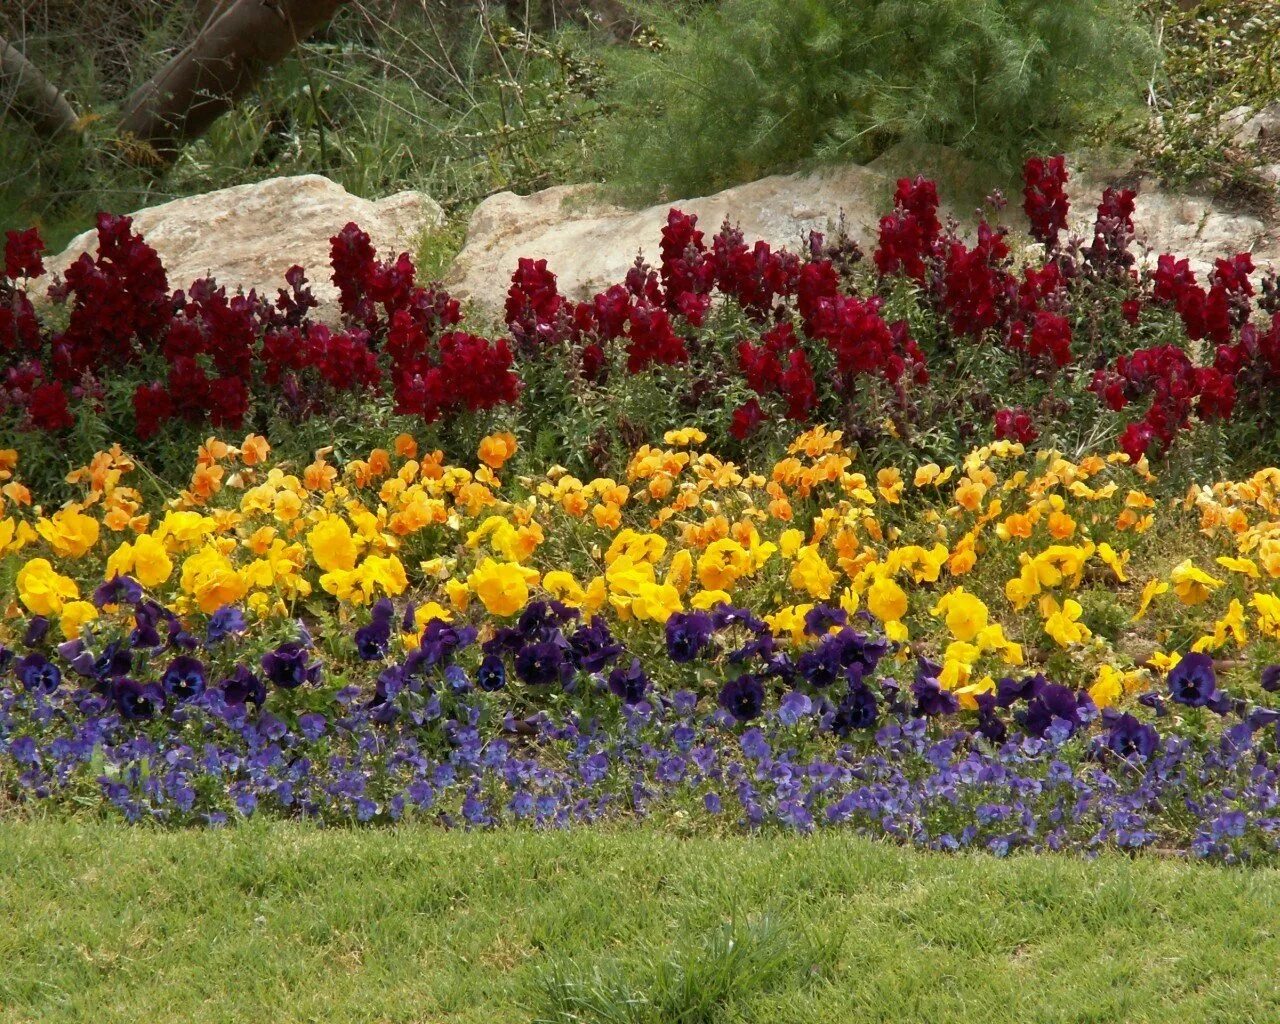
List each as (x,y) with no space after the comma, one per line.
(553,721)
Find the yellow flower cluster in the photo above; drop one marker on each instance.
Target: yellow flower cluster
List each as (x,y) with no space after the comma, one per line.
(1006,559)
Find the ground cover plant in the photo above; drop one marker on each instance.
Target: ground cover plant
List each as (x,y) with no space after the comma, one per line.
(110,922)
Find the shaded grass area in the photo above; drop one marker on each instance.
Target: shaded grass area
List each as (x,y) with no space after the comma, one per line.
(286,922)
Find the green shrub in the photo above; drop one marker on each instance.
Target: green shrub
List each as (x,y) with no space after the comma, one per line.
(752,86)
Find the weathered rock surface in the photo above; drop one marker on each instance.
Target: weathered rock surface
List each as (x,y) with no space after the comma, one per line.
(249,235)
(1254,127)
(590,244)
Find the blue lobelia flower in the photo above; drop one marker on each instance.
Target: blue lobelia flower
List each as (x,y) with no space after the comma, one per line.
(226,621)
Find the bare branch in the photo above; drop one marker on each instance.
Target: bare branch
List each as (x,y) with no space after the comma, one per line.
(33,95)
(239,43)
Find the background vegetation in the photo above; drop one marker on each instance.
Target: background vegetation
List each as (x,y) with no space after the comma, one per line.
(462,98)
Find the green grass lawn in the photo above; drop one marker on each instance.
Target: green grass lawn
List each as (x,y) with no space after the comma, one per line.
(278,922)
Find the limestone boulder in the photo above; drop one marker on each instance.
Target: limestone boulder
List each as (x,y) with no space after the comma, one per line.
(247,236)
(590,244)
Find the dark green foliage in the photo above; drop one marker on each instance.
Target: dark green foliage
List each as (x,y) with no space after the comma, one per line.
(752,86)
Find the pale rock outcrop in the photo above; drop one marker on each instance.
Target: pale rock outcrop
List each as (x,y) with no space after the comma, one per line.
(589,244)
(247,236)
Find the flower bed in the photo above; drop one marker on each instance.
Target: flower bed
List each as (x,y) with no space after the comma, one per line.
(1048,337)
(1019,650)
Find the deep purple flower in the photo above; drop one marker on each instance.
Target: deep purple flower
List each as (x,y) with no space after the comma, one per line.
(990,724)
(859,650)
(373,639)
(37,630)
(440,641)
(226,621)
(1010,691)
(184,679)
(629,685)
(688,634)
(593,646)
(725,616)
(1271,678)
(147,617)
(931,699)
(823,665)
(858,709)
(1053,703)
(1193,682)
(290,665)
(743,697)
(115,661)
(819,619)
(1127,736)
(492,674)
(544,663)
(136,701)
(118,590)
(244,686)
(38,674)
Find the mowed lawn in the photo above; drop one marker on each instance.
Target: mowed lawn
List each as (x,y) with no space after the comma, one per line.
(281,922)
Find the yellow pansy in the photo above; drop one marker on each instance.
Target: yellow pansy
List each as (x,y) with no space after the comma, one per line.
(1193,586)
(965,613)
(812,574)
(209,577)
(1152,590)
(503,587)
(333,545)
(42,590)
(69,532)
(886,600)
(74,615)
(1064,624)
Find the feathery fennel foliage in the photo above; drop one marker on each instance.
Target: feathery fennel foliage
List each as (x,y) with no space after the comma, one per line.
(746,87)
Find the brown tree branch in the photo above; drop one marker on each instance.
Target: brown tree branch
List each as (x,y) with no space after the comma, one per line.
(24,86)
(239,43)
